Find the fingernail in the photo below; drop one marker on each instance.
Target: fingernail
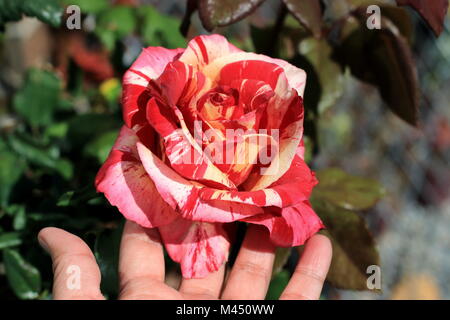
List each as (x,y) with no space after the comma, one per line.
(43,244)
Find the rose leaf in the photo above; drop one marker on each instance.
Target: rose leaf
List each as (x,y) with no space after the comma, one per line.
(24,279)
(220,13)
(384,58)
(308,13)
(354,248)
(433,12)
(347,191)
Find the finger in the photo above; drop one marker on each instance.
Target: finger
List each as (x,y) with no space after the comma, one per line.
(205,288)
(141,262)
(310,273)
(250,276)
(76,273)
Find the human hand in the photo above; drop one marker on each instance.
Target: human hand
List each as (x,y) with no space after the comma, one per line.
(142,270)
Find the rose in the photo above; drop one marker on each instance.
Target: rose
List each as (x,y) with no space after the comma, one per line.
(168,168)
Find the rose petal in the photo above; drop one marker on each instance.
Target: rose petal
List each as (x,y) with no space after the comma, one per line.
(204,49)
(254,97)
(296,76)
(184,195)
(183,152)
(293,187)
(239,152)
(253,94)
(263,71)
(199,247)
(127,186)
(178,83)
(248,121)
(301,149)
(149,65)
(292,227)
(269,73)
(290,135)
(220,103)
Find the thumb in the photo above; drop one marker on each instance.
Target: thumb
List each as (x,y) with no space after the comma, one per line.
(75,272)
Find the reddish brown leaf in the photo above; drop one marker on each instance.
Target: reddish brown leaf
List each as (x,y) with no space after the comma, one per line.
(384,59)
(433,12)
(308,13)
(354,248)
(219,13)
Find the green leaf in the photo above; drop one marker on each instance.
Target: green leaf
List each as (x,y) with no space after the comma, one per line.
(48,11)
(220,13)
(20,220)
(10,10)
(383,58)
(107,254)
(10,239)
(115,23)
(100,147)
(32,151)
(38,99)
(433,12)
(42,156)
(308,13)
(107,38)
(318,53)
(160,30)
(353,246)
(65,168)
(79,134)
(18,213)
(44,217)
(347,191)
(11,169)
(57,130)
(24,279)
(77,197)
(277,285)
(89,6)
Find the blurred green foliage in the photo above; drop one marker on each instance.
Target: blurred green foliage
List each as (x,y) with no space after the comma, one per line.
(48,11)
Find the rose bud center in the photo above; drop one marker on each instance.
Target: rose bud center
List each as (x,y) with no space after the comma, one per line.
(220,103)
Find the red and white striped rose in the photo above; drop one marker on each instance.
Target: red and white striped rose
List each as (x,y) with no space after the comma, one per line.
(170,95)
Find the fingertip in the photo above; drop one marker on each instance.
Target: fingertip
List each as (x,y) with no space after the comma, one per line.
(141,254)
(311,270)
(43,232)
(55,240)
(46,232)
(43,236)
(132,227)
(252,270)
(318,252)
(323,247)
(323,243)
